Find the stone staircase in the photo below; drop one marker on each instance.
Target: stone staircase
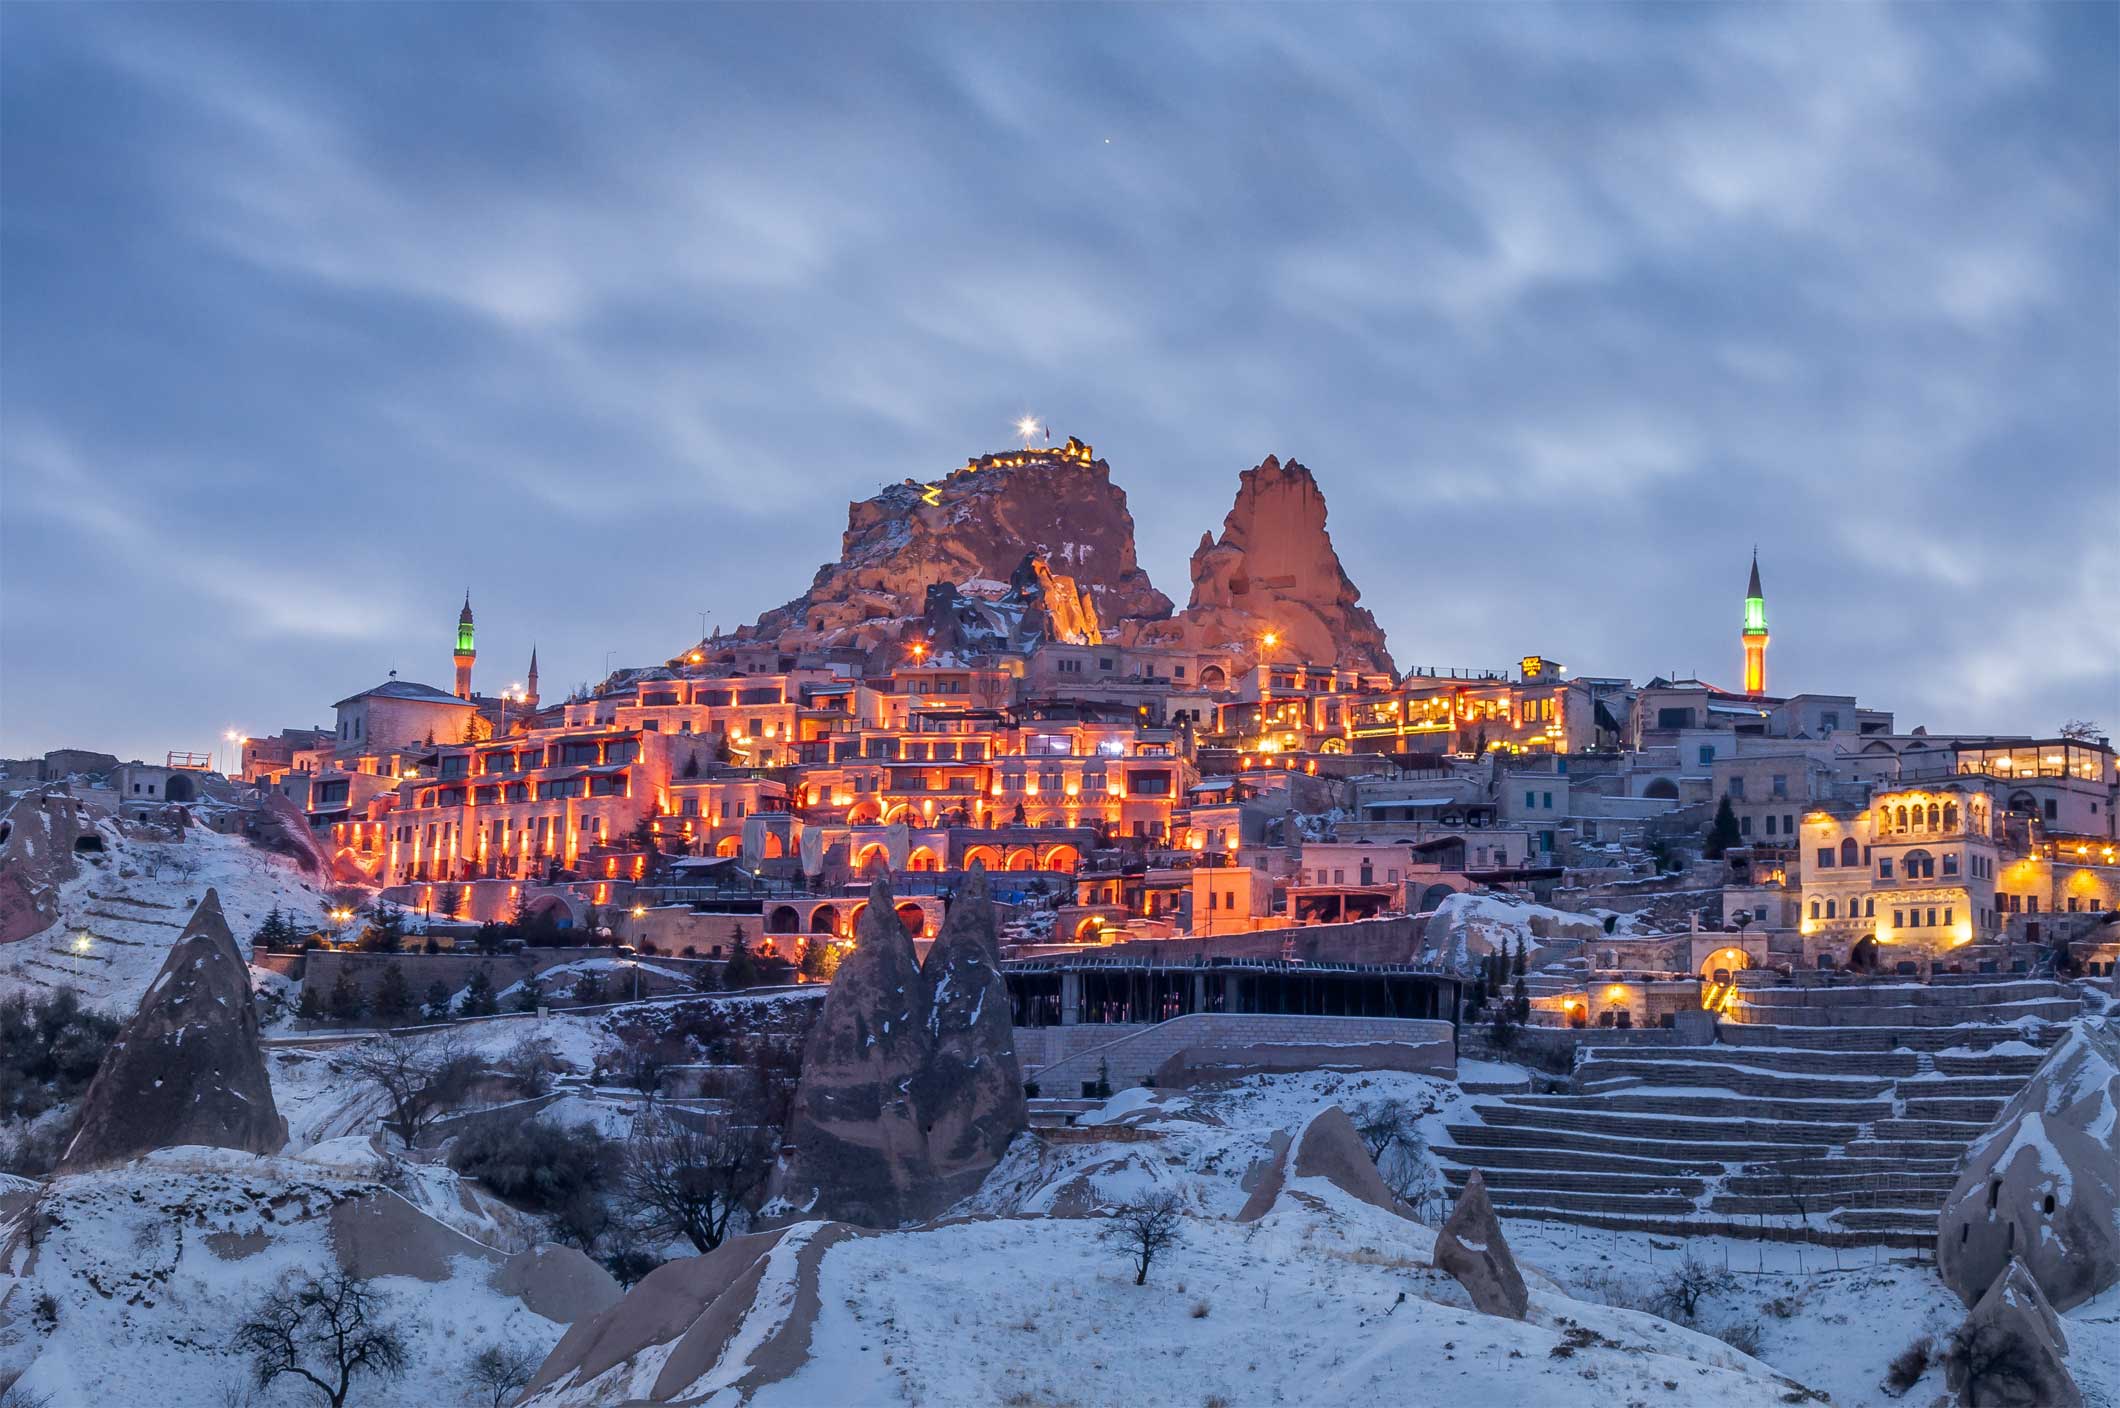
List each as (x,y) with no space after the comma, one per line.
(1836,1122)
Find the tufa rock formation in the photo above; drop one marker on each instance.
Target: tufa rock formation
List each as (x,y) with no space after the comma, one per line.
(1274,569)
(910,1090)
(39,832)
(1330,1150)
(730,1322)
(2040,1185)
(969,1095)
(2010,1352)
(970,528)
(1472,1249)
(1037,607)
(187,1069)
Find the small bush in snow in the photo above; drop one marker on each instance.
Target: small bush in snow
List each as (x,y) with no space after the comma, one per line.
(1741,1335)
(1908,1366)
(1679,1294)
(538,1163)
(1199,1310)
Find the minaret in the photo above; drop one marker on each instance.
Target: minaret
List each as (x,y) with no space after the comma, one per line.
(530,688)
(1755,633)
(465,651)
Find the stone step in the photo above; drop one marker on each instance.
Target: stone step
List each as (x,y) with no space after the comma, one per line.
(1768,1229)
(1937,1150)
(1991,1063)
(1918,1224)
(1958,1133)
(1764,1057)
(1686,1153)
(1716,1107)
(1980,1110)
(1813,1179)
(1869,1200)
(1961,1087)
(1872,1039)
(1738,1080)
(1632,1184)
(1513,1202)
(1903,994)
(2046,1009)
(1571,1160)
(1684,1131)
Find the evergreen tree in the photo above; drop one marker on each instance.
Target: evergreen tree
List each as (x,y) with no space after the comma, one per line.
(1516,965)
(275,932)
(436,1006)
(386,931)
(1723,833)
(589,989)
(820,960)
(478,995)
(491,936)
(708,979)
(1523,1000)
(346,1004)
(310,1008)
(393,996)
(741,971)
(530,996)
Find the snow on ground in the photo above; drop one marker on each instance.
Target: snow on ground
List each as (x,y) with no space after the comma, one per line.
(1325,1300)
(131,903)
(150,1266)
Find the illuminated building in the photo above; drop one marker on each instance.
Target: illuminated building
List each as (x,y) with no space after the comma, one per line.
(1755,633)
(466,653)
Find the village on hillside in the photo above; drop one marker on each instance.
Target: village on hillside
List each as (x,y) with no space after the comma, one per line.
(982,980)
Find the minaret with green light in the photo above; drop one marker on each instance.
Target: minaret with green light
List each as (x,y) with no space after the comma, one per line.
(1755,633)
(465,651)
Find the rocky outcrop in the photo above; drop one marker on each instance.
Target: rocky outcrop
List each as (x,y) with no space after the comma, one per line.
(969,529)
(855,1148)
(910,1091)
(2039,1186)
(1036,608)
(38,834)
(969,1095)
(279,826)
(2011,1352)
(675,1338)
(1472,1249)
(1274,570)
(187,1069)
(1330,1150)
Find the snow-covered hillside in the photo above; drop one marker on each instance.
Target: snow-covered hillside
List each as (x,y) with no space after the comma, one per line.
(120,914)
(130,1286)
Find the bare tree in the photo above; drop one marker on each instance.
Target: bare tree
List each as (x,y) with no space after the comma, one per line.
(1144,1229)
(689,1182)
(1384,1124)
(1678,1295)
(1991,1364)
(420,1077)
(2081,730)
(643,1070)
(325,1331)
(503,1370)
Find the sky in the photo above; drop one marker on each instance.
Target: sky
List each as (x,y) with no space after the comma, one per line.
(313,317)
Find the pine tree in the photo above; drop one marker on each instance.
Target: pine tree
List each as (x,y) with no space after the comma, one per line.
(1523,1000)
(589,989)
(478,995)
(1517,964)
(530,996)
(346,1004)
(385,932)
(437,1004)
(275,932)
(393,996)
(741,971)
(820,959)
(1723,834)
(310,1007)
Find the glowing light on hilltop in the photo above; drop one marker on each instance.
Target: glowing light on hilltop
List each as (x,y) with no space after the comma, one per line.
(1027,430)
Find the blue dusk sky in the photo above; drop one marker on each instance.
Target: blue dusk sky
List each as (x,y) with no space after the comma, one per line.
(312,316)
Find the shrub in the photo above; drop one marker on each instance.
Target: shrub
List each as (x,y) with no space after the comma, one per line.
(50,1048)
(1908,1366)
(1741,1335)
(589,989)
(1678,1295)
(541,1164)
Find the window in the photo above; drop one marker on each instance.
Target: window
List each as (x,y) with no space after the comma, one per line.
(1781,784)
(1744,826)
(1849,852)
(1548,802)
(1869,910)
(1530,799)
(1947,919)
(1104,662)
(1788,823)
(2031,904)
(1707,755)
(1737,789)
(1832,908)
(1825,857)
(1899,919)
(1950,863)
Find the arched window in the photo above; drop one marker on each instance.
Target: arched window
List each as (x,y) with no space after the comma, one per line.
(1869,909)
(1850,853)
(1831,907)
(1935,816)
(1902,818)
(1814,909)
(1918,865)
(1950,816)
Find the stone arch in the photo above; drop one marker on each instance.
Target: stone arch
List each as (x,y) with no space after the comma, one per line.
(729,846)
(873,851)
(1213,677)
(783,920)
(179,788)
(1021,858)
(866,812)
(922,858)
(1061,857)
(772,848)
(1850,853)
(1333,745)
(854,917)
(553,907)
(824,920)
(982,855)
(912,918)
(1663,789)
(1864,955)
(899,811)
(1433,897)
(1724,964)
(1089,929)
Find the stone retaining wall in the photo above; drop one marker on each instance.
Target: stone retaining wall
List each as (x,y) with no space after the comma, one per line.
(1134,1052)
